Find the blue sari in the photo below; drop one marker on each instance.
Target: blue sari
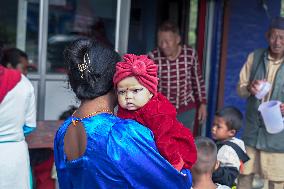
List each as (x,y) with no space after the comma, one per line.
(119,154)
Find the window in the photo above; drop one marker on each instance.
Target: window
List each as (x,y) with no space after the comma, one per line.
(193,16)
(72,19)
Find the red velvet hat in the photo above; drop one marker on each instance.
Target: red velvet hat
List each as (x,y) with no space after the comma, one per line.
(141,67)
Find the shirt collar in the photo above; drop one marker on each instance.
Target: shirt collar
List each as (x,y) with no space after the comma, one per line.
(273,61)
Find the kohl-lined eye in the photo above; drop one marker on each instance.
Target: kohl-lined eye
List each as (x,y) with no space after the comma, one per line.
(137,90)
(121,92)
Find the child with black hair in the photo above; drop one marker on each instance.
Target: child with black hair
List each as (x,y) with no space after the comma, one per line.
(231,150)
(205,165)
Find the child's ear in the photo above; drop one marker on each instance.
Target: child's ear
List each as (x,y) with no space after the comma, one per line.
(233,132)
(217,164)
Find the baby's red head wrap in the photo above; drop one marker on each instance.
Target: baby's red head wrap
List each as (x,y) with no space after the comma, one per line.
(141,67)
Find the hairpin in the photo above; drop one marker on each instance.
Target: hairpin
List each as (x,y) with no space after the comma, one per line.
(85,65)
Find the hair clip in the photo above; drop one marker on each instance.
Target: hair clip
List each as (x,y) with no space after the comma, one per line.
(85,65)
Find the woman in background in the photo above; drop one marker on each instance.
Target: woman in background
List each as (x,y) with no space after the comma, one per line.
(17,118)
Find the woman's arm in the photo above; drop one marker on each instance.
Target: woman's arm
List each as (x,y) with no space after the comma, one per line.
(133,151)
(30,109)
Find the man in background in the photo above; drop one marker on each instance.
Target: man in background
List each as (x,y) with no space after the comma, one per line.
(180,78)
(266,150)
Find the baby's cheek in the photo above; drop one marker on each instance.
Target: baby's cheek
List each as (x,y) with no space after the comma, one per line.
(120,101)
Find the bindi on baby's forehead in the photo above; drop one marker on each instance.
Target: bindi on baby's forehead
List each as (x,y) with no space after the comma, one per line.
(129,82)
(129,88)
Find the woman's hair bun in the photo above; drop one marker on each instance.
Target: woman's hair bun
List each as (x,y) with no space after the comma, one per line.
(91,67)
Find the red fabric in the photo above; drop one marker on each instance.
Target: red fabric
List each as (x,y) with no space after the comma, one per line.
(180,80)
(141,67)
(42,174)
(174,141)
(8,80)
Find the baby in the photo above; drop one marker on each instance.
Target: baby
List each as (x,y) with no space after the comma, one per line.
(136,83)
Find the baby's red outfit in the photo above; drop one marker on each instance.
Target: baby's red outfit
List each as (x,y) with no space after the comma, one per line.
(174,141)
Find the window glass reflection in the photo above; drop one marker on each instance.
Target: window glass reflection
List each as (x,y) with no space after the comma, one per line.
(282,8)
(192,32)
(8,23)
(67,21)
(32,30)
(72,19)
(16,30)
